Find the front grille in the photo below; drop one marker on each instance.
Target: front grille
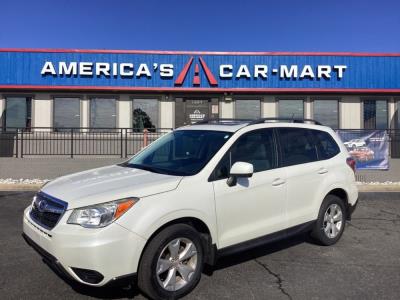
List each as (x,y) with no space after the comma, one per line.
(47,210)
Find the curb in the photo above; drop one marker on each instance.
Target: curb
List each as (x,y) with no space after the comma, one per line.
(378,188)
(20,187)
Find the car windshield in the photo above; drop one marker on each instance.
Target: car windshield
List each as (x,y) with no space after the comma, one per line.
(180,153)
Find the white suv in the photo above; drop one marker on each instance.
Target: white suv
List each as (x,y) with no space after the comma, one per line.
(196,193)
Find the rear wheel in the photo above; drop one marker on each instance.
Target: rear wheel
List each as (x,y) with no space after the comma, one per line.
(331,221)
(171,264)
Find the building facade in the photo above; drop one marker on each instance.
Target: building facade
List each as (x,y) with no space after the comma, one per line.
(46,89)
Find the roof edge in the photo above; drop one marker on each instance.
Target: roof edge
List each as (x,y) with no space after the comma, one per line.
(167,52)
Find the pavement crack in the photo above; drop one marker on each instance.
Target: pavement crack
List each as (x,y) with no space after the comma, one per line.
(277,276)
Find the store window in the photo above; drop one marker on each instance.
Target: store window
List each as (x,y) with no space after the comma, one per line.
(145,113)
(18,113)
(103,113)
(247,109)
(327,112)
(291,109)
(375,114)
(67,113)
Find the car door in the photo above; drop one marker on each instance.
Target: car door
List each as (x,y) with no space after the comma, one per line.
(255,206)
(304,173)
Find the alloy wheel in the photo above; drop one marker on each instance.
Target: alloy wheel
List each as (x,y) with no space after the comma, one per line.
(333,221)
(177,264)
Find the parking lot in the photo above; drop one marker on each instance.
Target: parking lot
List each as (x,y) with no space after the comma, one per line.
(365,264)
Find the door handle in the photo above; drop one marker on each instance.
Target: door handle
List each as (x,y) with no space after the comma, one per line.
(322,171)
(278,182)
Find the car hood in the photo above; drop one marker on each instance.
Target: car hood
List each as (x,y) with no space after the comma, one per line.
(107,184)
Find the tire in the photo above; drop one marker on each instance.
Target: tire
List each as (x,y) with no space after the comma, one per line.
(157,266)
(327,230)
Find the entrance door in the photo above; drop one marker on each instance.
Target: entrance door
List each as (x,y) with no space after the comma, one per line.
(189,111)
(196,110)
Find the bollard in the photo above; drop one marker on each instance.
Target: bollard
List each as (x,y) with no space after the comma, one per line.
(145,133)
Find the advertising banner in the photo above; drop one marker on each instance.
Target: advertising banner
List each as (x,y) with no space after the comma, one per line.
(370,149)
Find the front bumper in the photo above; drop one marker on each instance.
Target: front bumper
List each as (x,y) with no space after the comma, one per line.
(112,251)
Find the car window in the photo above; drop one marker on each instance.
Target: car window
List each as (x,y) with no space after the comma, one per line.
(255,147)
(327,147)
(181,152)
(297,146)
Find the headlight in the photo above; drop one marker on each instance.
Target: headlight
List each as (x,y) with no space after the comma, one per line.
(101,215)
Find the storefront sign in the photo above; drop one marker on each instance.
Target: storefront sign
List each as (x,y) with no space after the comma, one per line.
(370,149)
(157,70)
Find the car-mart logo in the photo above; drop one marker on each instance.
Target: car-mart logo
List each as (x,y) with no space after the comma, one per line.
(196,78)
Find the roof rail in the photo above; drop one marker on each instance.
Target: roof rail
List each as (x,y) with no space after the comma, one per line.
(255,121)
(222,120)
(291,120)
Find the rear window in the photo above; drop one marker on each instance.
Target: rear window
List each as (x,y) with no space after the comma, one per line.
(326,145)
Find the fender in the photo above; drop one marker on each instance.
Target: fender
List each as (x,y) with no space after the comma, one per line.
(182,214)
(336,185)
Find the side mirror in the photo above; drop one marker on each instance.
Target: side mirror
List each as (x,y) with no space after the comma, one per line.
(239,169)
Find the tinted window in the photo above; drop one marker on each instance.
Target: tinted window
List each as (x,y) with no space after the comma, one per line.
(18,112)
(291,109)
(67,112)
(297,146)
(145,113)
(375,114)
(327,112)
(327,147)
(256,147)
(102,113)
(247,109)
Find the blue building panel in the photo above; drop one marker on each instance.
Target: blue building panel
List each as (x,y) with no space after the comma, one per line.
(224,72)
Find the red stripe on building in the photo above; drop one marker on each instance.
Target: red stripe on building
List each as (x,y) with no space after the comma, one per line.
(209,75)
(182,75)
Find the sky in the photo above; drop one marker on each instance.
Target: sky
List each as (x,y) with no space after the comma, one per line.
(206,25)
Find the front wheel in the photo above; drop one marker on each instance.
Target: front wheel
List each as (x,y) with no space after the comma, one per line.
(172,263)
(331,221)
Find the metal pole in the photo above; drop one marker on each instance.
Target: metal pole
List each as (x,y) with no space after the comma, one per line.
(16,145)
(72,143)
(122,141)
(126,142)
(22,143)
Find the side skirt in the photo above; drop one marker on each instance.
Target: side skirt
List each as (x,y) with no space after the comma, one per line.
(270,238)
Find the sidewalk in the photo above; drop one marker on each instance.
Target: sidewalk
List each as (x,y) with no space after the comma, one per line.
(49,167)
(20,173)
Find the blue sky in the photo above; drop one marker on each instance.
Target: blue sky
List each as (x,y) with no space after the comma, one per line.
(245,25)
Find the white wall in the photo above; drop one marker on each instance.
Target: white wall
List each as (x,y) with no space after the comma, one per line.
(124,111)
(167,112)
(392,112)
(226,109)
(350,112)
(2,109)
(42,110)
(85,112)
(307,109)
(269,107)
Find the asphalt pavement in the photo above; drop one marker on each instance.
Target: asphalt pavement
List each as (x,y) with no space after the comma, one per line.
(365,264)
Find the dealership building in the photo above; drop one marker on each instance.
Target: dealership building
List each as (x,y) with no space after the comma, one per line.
(48,89)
